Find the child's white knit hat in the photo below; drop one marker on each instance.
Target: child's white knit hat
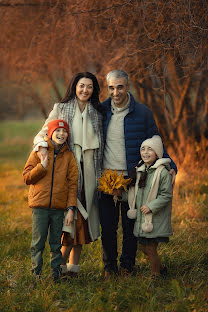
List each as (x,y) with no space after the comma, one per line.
(156,144)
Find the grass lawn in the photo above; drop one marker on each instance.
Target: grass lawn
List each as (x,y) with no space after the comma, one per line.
(186,256)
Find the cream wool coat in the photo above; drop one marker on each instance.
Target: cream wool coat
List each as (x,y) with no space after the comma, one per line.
(92,157)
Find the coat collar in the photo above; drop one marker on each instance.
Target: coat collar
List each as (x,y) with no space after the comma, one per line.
(107,103)
(132,103)
(162,161)
(52,146)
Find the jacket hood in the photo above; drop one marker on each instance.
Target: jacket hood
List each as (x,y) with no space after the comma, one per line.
(162,161)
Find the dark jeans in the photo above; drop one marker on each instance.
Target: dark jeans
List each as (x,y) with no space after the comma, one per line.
(44,222)
(109,218)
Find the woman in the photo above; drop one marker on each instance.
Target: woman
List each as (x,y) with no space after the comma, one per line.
(81,109)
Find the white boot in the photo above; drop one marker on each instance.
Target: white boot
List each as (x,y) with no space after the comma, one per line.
(74,268)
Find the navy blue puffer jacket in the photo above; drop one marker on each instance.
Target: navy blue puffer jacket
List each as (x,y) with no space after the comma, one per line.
(139,124)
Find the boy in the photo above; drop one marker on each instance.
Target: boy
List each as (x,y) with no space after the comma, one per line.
(53,184)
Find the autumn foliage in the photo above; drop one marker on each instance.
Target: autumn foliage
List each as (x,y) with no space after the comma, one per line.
(111,181)
(161,44)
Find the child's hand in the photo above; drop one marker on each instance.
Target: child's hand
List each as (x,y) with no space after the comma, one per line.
(69,217)
(145,210)
(44,160)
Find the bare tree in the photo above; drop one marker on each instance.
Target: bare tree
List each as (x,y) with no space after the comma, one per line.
(161,44)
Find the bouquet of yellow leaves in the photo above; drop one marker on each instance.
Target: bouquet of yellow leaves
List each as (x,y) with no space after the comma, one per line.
(110,181)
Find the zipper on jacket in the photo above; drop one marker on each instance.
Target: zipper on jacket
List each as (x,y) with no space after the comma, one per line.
(54,159)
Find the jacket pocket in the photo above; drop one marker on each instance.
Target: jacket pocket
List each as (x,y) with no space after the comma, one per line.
(59,199)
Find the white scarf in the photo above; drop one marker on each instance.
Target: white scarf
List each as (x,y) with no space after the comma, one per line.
(85,142)
(83,132)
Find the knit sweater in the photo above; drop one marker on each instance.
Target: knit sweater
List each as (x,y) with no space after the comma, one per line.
(114,152)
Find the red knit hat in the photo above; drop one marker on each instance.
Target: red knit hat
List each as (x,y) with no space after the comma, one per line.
(54,124)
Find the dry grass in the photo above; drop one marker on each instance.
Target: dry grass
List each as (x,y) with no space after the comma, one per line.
(186,256)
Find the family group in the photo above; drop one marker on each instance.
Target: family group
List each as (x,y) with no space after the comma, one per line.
(79,140)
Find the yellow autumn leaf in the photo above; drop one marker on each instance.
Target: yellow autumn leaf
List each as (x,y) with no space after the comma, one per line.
(110,180)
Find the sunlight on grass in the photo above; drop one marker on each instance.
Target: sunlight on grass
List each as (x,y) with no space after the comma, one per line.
(191,195)
(186,256)
(16,139)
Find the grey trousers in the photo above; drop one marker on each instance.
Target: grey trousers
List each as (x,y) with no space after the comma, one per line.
(46,223)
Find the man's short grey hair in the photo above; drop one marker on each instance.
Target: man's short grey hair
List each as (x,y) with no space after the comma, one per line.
(117,73)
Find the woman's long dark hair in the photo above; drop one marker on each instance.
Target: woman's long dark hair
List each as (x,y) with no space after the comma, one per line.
(71,91)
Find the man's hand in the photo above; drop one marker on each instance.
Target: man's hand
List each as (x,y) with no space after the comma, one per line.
(173,174)
(42,151)
(145,210)
(69,217)
(117,192)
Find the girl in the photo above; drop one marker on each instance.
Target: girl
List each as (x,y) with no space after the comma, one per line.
(152,195)
(81,109)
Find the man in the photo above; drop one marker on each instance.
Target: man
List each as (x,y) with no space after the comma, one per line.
(126,124)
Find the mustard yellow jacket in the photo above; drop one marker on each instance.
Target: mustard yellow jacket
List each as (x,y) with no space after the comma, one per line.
(56,186)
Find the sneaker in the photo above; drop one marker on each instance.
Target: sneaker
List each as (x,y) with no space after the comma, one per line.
(164,272)
(124,272)
(109,275)
(155,277)
(56,275)
(56,279)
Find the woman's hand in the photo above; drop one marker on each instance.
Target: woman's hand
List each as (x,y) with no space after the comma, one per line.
(69,217)
(44,160)
(145,209)
(42,151)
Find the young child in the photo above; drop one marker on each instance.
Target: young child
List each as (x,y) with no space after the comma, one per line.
(152,196)
(53,184)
